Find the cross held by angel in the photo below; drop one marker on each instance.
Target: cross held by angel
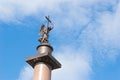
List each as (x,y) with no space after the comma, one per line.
(44,31)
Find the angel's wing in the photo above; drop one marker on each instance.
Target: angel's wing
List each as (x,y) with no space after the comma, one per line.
(41,29)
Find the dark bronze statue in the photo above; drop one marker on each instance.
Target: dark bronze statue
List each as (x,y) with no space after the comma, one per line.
(44,31)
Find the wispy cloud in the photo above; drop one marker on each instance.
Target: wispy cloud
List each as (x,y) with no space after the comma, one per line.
(76,65)
(26,73)
(102,35)
(12,10)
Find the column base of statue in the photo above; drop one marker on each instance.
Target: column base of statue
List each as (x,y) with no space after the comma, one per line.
(44,55)
(43,62)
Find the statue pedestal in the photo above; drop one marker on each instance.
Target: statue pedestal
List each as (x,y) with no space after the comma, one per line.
(43,62)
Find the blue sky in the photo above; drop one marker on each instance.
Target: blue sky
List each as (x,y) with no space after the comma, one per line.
(85,38)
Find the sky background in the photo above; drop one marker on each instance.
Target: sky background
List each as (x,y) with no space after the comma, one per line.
(86,38)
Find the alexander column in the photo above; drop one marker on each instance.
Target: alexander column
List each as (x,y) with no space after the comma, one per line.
(43,63)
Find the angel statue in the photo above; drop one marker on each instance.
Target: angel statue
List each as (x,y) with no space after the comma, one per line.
(44,31)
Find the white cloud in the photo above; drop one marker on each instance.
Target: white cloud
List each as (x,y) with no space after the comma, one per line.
(110,27)
(11,10)
(26,73)
(109,32)
(75,66)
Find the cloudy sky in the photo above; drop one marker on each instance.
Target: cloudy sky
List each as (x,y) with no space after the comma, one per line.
(86,38)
